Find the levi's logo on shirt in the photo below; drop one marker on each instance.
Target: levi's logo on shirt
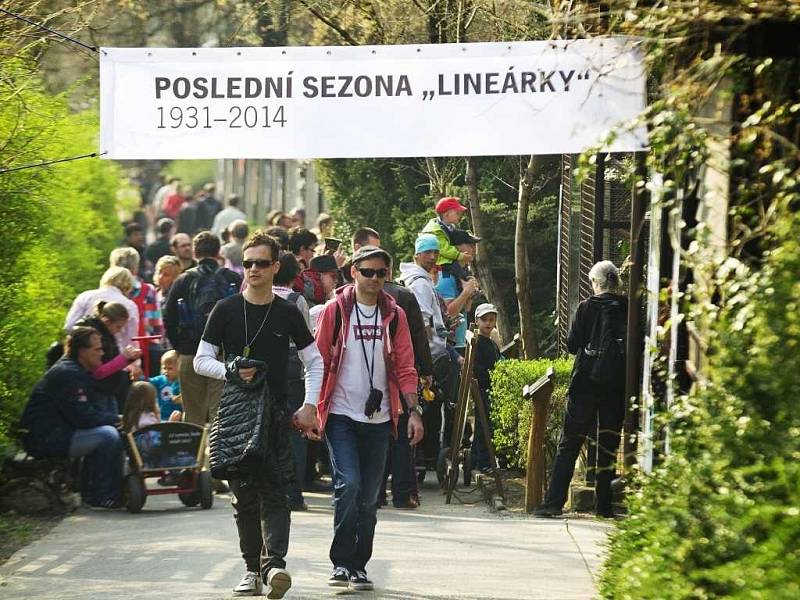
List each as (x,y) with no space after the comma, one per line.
(367,332)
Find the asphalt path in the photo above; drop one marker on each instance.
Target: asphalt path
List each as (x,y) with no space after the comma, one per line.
(438,552)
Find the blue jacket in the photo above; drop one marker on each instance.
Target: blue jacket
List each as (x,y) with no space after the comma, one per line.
(64,400)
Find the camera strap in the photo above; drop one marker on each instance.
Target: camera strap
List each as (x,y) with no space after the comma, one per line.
(370,366)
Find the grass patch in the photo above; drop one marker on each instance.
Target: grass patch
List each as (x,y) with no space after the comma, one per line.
(17,531)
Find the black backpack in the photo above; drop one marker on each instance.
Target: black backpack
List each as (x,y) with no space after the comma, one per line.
(206,288)
(294,366)
(605,353)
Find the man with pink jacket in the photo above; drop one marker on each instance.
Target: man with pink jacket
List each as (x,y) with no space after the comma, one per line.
(369,382)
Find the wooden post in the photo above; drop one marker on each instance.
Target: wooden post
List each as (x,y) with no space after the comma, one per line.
(460,419)
(539,392)
(480,414)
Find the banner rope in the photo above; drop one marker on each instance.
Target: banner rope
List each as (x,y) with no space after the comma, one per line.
(45,28)
(50,162)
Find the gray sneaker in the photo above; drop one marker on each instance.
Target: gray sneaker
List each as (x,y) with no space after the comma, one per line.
(359,582)
(250,585)
(278,583)
(340,577)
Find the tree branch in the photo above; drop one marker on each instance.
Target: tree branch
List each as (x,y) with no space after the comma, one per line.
(331,23)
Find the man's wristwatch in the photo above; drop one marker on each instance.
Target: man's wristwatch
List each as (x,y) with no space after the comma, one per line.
(415,409)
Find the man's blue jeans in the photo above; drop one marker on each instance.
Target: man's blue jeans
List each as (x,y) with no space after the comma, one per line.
(101,449)
(358,456)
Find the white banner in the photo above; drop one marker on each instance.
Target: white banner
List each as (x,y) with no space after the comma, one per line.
(498,98)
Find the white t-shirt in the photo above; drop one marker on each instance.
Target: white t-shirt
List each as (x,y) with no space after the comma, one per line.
(352,386)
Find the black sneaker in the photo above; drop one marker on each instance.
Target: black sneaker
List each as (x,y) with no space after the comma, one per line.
(104,505)
(339,577)
(407,504)
(547,511)
(360,583)
(299,506)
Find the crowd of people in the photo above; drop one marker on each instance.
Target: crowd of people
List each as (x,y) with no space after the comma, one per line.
(353,369)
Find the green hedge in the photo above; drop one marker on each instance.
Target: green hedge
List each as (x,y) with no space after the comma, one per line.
(511,414)
(57,225)
(720,518)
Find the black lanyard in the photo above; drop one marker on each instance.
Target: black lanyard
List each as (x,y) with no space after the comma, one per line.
(370,367)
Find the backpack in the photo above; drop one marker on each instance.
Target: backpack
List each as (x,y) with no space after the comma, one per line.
(294,366)
(206,288)
(605,353)
(450,324)
(309,284)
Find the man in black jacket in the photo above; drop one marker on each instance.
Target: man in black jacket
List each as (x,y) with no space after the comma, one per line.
(184,322)
(259,324)
(67,416)
(595,410)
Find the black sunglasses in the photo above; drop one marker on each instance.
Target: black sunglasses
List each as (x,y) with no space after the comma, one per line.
(370,273)
(261,263)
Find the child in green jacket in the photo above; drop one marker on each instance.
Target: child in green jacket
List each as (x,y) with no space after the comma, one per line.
(449,211)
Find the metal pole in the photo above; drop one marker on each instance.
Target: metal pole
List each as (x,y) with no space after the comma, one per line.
(599,208)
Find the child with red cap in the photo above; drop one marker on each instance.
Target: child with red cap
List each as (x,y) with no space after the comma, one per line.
(449,211)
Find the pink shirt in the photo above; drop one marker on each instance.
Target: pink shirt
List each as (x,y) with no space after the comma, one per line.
(86,301)
(147,418)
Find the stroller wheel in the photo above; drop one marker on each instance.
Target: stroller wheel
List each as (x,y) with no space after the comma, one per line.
(136,496)
(205,490)
(187,498)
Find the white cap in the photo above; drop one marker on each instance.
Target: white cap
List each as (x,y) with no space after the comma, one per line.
(484,309)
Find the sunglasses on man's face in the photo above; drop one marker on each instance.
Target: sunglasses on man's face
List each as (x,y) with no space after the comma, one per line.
(370,273)
(261,263)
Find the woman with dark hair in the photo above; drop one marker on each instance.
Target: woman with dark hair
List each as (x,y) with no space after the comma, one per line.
(108,319)
(67,416)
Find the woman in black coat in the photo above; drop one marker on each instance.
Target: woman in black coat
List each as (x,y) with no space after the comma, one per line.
(596,397)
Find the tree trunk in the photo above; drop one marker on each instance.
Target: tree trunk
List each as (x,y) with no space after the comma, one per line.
(482,260)
(530,346)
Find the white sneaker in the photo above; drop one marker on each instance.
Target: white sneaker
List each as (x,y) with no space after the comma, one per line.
(250,585)
(278,583)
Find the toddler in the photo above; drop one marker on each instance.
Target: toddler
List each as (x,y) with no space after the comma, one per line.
(141,408)
(168,388)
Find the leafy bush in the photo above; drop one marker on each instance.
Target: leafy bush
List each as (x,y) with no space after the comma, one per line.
(57,225)
(511,414)
(719,518)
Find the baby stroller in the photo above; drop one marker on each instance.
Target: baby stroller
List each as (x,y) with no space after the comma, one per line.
(175,453)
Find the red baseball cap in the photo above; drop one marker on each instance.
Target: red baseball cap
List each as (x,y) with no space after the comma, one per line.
(449,203)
